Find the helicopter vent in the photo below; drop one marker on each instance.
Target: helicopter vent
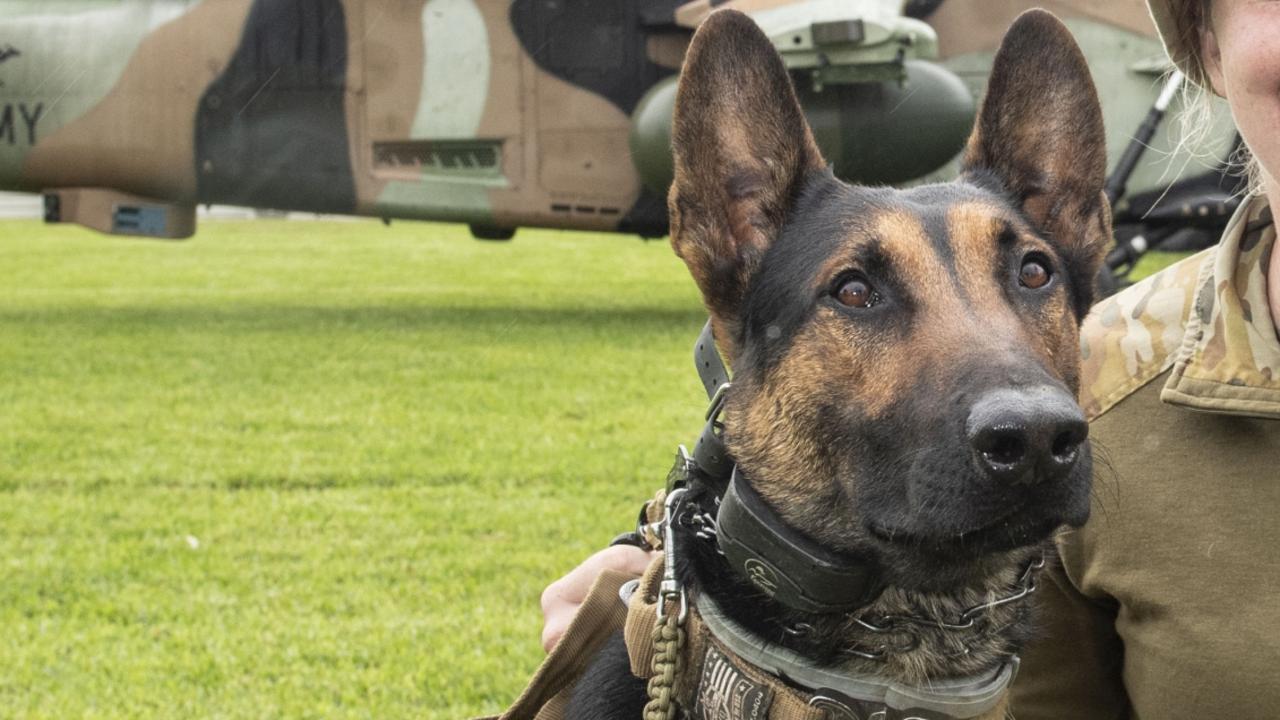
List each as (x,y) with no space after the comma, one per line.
(469,158)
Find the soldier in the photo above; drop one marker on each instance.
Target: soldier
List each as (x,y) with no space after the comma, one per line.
(1165,604)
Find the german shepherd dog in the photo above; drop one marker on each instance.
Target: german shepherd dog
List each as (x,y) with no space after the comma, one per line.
(905,362)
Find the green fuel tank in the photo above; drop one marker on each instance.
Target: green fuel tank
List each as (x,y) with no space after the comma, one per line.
(872,132)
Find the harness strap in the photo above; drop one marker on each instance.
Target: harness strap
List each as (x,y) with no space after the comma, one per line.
(599,617)
(642,615)
(726,671)
(786,704)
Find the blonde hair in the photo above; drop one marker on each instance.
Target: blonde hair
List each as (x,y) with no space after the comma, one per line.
(1195,122)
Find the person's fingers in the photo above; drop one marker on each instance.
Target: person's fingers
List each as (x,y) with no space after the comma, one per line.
(573,587)
(560,600)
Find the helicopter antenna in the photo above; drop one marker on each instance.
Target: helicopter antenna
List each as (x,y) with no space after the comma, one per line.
(1115,186)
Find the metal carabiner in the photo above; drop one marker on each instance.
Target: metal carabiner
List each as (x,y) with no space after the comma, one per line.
(670,589)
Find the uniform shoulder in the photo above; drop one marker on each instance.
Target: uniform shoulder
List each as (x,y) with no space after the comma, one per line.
(1133,336)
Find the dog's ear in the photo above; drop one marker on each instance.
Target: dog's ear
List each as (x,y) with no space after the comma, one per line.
(1040,133)
(741,145)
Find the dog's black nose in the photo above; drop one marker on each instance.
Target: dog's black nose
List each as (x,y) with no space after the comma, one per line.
(1026,435)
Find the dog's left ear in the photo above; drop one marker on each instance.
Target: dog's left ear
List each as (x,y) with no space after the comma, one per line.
(741,146)
(1040,133)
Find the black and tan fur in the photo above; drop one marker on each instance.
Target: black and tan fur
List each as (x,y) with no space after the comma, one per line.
(851,422)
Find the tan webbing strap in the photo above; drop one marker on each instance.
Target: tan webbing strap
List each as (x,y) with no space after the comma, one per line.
(653,510)
(642,615)
(788,702)
(600,616)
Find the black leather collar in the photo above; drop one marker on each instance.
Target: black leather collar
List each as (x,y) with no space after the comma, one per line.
(785,564)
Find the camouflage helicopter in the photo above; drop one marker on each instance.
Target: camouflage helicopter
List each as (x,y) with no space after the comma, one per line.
(126,114)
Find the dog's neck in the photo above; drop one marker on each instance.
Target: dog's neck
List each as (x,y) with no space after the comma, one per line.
(863,642)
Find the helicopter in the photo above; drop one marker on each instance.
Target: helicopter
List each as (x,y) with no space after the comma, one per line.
(127,114)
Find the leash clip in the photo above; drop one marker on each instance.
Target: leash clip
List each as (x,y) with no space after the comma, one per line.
(670,589)
(681,470)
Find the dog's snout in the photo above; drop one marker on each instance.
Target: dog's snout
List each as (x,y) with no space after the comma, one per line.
(1026,435)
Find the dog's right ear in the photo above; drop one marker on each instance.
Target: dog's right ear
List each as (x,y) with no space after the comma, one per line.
(741,146)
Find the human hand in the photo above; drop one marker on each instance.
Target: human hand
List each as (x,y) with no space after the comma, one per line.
(562,598)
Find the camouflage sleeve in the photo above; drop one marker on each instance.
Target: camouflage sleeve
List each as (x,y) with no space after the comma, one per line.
(1132,337)
(1072,668)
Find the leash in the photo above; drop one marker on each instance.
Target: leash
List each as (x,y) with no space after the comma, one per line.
(672,610)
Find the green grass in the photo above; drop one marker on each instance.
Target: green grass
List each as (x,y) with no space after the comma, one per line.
(316,469)
(1154,262)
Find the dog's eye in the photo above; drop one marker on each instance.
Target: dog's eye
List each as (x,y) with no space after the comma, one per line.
(1034,273)
(856,293)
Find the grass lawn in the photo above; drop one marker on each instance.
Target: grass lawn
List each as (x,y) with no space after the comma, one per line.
(317,469)
(1155,261)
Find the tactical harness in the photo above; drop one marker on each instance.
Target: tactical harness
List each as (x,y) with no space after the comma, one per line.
(699,660)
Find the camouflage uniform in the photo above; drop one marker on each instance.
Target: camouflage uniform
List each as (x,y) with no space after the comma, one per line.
(1167,602)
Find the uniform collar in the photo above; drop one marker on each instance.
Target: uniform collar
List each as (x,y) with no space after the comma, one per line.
(1229,360)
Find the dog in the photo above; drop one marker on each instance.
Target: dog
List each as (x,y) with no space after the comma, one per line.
(905,361)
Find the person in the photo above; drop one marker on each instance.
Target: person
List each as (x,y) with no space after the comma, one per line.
(1166,604)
